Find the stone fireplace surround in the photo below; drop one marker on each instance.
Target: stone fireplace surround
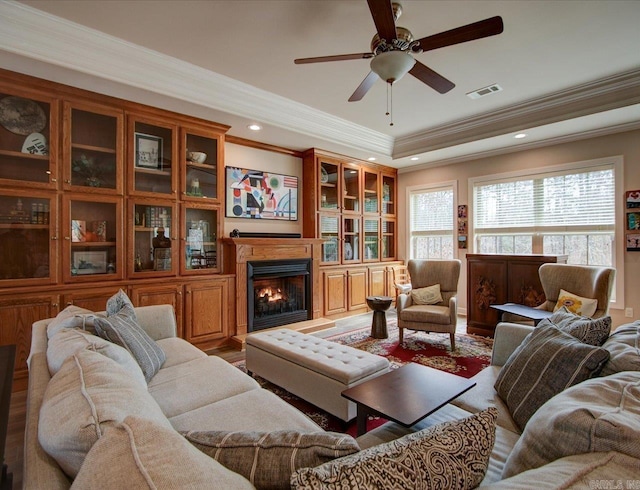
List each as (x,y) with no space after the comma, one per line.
(237,252)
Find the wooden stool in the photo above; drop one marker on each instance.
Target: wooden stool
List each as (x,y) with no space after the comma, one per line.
(379,304)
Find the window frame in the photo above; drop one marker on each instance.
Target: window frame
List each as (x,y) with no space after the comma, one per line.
(618,250)
(446,185)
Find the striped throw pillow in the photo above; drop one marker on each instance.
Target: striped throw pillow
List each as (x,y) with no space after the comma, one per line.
(547,362)
(123,329)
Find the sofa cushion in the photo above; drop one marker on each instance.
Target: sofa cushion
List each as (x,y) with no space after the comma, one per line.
(599,415)
(624,349)
(68,341)
(72,317)
(449,455)
(576,472)
(268,459)
(140,453)
(123,329)
(426,296)
(576,304)
(547,362)
(87,394)
(178,351)
(588,330)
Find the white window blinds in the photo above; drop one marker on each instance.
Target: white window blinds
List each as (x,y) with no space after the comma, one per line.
(546,202)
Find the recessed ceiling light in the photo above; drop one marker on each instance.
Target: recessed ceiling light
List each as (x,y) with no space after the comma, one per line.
(413,159)
(372,159)
(520,136)
(254,127)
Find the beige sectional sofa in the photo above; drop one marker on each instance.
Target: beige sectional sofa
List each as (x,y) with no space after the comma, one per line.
(196,392)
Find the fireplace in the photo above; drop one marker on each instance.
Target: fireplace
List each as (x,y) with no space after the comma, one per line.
(278,292)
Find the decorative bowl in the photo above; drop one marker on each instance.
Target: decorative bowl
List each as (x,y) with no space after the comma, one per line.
(196,156)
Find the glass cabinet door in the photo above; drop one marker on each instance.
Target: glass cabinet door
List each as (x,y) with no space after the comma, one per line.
(200,228)
(329,186)
(28,141)
(93,149)
(371,192)
(371,239)
(152,251)
(388,239)
(330,233)
(351,236)
(28,238)
(201,153)
(152,158)
(351,188)
(388,194)
(93,238)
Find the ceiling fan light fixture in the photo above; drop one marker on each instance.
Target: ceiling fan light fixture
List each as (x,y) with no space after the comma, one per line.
(391,66)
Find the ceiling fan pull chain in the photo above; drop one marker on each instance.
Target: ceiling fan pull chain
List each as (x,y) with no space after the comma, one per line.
(391,103)
(387,113)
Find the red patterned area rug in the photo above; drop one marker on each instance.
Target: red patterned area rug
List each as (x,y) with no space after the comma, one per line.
(472,354)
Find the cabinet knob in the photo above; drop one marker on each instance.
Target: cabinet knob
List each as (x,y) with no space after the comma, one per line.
(67,181)
(54,237)
(55,305)
(54,180)
(67,238)
(69,303)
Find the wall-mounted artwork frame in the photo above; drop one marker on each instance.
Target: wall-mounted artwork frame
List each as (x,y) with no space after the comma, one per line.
(633,242)
(89,262)
(148,152)
(257,194)
(633,199)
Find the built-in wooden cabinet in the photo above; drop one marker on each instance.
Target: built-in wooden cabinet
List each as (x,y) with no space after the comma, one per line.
(99,194)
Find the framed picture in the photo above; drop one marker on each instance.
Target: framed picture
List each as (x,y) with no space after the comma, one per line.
(257,194)
(94,262)
(148,151)
(633,242)
(633,221)
(633,199)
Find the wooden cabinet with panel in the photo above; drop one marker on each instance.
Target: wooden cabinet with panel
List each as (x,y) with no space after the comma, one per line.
(499,279)
(207,313)
(203,162)
(378,282)
(161,294)
(94,299)
(334,286)
(357,289)
(152,229)
(17,315)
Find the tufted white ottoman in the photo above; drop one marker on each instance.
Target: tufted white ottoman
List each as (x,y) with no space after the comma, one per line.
(312,368)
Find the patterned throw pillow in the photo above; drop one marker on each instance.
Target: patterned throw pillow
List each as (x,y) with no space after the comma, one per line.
(576,304)
(588,330)
(427,296)
(546,363)
(624,347)
(449,455)
(118,301)
(123,329)
(268,459)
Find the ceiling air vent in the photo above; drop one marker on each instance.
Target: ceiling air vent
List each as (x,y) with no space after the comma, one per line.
(481,92)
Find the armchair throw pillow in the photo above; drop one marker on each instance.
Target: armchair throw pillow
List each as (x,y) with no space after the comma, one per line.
(267,459)
(546,363)
(576,304)
(449,455)
(427,296)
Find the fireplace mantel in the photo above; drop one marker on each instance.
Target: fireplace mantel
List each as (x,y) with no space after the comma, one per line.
(238,251)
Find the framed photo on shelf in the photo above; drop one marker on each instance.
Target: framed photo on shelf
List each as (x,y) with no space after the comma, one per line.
(93,262)
(633,221)
(148,153)
(261,195)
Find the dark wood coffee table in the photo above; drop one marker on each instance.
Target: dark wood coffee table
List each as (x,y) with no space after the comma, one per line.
(534,314)
(405,395)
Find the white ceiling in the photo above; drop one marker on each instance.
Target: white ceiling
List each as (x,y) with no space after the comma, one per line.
(566,67)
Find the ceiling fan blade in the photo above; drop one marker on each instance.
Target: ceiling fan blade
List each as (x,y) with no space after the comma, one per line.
(338,57)
(364,87)
(382,13)
(470,32)
(431,78)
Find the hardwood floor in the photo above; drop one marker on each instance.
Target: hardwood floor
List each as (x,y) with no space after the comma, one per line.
(14,446)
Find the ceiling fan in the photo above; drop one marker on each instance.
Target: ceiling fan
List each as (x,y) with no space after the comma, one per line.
(392,49)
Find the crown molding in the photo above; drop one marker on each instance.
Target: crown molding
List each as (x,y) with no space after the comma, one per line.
(75,47)
(568,138)
(612,92)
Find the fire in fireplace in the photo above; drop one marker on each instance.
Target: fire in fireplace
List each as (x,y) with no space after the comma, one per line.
(278,292)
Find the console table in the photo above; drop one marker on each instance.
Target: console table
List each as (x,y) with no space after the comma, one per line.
(499,279)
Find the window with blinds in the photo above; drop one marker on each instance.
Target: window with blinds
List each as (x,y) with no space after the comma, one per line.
(431,221)
(570,212)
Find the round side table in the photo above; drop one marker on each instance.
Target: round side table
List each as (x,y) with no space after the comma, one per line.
(379,304)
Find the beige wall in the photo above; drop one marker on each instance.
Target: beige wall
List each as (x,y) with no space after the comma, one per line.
(256,159)
(626,144)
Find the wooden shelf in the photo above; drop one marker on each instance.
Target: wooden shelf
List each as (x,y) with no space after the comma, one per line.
(97,149)
(23,226)
(150,171)
(93,244)
(28,156)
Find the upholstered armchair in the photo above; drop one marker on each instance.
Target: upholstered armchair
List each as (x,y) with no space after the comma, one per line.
(581,280)
(440,315)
